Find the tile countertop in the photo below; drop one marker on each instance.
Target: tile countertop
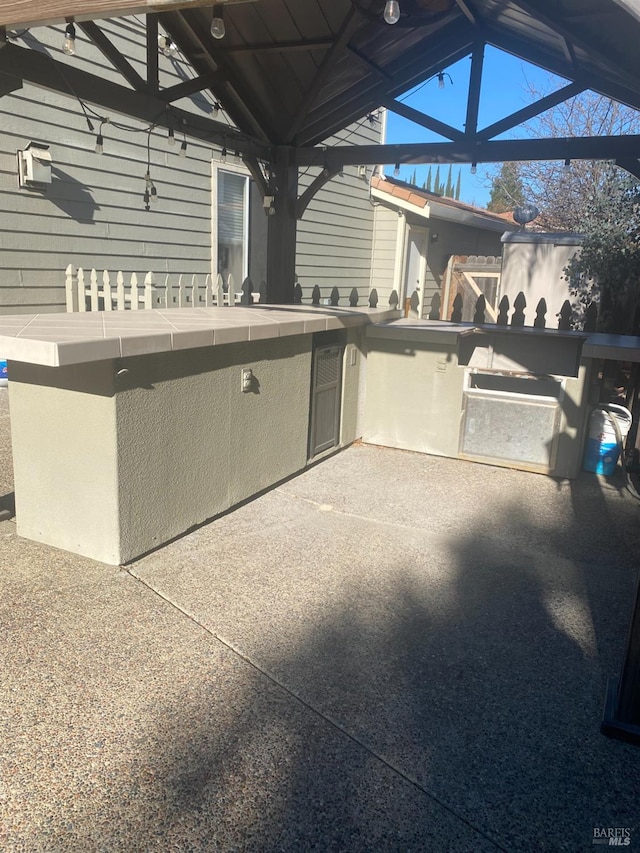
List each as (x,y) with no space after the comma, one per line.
(56,340)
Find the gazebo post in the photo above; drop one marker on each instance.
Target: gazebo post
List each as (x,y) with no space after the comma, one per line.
(281,231)
(622,705)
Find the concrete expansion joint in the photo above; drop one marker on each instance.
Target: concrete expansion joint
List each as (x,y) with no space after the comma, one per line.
(334,724)
(322,507)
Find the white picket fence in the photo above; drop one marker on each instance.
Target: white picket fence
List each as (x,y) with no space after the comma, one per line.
(93,291)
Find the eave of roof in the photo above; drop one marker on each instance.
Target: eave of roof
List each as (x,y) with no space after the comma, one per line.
(434,206)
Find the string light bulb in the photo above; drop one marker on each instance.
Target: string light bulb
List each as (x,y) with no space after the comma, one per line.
(166,46)
(223,155)
(217,23)
(183,148)
(69,46)
(216,109)
(99,149)
(396,170)
(440,80)
(392,12)
(474,168)
(150,192)
(567,166)
(171,139)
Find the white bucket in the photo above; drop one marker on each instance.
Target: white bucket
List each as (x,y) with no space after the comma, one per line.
(608,427)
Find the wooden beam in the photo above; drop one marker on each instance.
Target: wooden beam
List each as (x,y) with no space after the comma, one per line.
(602,84)
(190,87)
(238,100)
(281,230)
(114,56)
(253,166)
(467,11)
(312,189)
(18,63)
(631,165)
(452,45)
(279,47)
(423,120)
(469,151)
(338,48)
(153,68)
(531,110)
(28,13)
(475,83)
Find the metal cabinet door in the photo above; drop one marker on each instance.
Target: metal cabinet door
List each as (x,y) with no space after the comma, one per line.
(326,388)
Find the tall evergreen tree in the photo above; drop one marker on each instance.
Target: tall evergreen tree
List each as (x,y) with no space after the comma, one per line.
(414,178)
(507,190)
(458,187)
(436,185)
(427,183)
(448,191)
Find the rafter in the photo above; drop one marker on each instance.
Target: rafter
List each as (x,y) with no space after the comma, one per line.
(453,44)
(530,111)
(337,49)
(467,11)
(572,38)
(190,87)
(279,47)
(239,102)
(18,63)
(520,47)
(114,56)
(423,120)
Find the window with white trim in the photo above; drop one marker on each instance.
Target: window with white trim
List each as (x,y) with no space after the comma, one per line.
(238,239)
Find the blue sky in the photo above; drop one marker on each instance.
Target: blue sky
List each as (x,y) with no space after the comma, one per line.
(505,82)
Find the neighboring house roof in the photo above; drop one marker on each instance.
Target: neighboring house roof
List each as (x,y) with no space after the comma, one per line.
(433,206)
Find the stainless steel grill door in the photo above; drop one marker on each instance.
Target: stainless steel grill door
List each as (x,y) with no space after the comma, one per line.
(325,399)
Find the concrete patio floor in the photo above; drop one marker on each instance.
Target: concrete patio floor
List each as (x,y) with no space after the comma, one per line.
(388,652)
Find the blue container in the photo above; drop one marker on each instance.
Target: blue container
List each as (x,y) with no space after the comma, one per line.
(3,372)
(601,457)
(608,427)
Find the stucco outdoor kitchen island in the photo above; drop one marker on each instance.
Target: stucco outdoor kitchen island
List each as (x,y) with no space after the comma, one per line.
(131,427)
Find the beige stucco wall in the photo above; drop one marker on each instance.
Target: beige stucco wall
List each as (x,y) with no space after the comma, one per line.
(191,443)
(127,461)
(414,394)
(63,424)
(114,458)
(416,379)
(534,264)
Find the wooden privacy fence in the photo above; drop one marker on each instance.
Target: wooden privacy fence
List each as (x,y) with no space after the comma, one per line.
(93,291)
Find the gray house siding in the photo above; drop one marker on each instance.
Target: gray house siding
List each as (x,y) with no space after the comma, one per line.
(93,214)
(385,235)
(335,235)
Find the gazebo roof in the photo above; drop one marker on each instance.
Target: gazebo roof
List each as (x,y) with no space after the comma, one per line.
(306,69)
(292,73)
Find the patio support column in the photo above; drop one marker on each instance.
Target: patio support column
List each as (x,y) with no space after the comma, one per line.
(281,230)
(622,705)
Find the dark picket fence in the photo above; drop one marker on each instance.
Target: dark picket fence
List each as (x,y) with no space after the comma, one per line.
(566,319)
